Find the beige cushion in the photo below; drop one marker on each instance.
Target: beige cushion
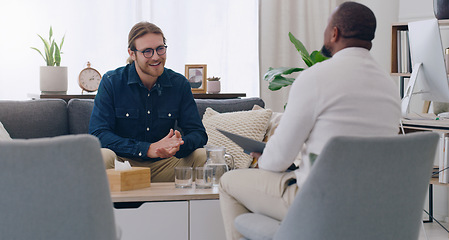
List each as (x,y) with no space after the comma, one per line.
(252,124)
(272,123)
(4,135)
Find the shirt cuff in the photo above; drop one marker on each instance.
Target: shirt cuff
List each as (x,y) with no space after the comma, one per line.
(142,149)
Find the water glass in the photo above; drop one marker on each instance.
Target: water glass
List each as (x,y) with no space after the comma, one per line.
(183,177)
(203,177)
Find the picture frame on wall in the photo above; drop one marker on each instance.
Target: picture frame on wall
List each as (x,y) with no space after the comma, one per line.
(196,74)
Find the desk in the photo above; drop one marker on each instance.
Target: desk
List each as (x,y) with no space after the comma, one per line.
(165,212)
(441,126)
(218,95)
(426,125)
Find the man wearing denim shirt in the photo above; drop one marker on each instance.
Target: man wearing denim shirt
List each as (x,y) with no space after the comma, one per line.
(137,106)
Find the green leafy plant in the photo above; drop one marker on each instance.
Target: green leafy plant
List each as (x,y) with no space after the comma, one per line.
(275,75)
(52,51)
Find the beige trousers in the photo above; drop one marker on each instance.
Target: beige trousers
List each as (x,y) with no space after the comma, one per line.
(162,170)
(254,190)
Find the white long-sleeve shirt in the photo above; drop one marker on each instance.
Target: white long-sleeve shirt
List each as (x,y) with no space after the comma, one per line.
(347,95)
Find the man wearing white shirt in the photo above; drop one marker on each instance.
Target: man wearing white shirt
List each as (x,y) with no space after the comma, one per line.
(346,95)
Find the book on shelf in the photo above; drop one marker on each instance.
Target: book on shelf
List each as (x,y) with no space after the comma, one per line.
(403,52)
(435,172)
(443,149)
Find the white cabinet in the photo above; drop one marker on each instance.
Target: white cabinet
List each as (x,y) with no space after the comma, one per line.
(154,220)
(177,220)
(206,222)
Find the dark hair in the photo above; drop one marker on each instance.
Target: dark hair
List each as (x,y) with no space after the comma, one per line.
(355,20)
(138,31)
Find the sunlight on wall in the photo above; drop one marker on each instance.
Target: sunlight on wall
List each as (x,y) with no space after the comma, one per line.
(97,31)
(94,32)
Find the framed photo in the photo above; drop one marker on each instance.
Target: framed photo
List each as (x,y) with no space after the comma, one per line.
(196,74)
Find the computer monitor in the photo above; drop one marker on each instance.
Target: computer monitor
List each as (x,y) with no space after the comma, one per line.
(429,77)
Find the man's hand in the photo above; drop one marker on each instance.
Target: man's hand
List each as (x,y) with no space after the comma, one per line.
(167,146)
(255,154)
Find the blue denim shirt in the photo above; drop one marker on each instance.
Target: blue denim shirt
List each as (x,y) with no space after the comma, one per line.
(127,117)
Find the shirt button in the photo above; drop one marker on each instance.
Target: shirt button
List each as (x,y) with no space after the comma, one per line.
(169,114)
(148,129)
(148,112)
(127,115)
(148,94)
(140,154)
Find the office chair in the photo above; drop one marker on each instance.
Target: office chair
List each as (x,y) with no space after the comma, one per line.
(359,188)
(54,188)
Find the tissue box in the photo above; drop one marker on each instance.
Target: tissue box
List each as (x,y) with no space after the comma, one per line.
(134,178)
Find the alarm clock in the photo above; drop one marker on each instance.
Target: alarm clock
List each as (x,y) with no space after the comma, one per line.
(89,79)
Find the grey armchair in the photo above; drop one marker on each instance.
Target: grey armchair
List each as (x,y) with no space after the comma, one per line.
(54,188)
(358,188)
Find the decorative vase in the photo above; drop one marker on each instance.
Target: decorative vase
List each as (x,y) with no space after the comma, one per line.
(53,80)
(213,87)
(441,9)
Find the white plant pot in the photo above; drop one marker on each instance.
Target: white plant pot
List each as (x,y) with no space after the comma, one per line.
(53,80)
(213,87)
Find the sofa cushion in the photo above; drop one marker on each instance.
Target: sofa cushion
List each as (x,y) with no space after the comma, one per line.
(79,111)
(228,105)
(252,124)
(34,118)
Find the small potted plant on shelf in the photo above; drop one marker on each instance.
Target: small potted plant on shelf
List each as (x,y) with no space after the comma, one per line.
(53,77)
(213,85)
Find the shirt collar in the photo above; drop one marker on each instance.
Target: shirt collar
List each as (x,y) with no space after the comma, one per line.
(352,51)
(133,77)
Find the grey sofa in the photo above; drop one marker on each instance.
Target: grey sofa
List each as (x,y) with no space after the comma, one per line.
(54,117)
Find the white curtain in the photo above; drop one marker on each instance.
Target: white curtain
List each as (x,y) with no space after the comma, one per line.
(222,34)
(95,31)
(306,20)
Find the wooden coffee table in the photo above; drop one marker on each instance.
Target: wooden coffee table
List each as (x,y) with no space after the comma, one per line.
(165,212)
(164,192)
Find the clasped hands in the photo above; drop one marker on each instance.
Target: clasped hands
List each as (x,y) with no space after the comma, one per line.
(167,146)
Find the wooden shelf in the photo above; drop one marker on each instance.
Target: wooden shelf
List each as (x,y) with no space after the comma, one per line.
(195,95)
(435,181)
(395,27)
(218,95)
(394,46)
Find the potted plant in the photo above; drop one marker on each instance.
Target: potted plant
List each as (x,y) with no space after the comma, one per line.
(275,75)
(213,84)
(53,77)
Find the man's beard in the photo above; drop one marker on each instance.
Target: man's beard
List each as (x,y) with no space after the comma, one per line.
(326,52)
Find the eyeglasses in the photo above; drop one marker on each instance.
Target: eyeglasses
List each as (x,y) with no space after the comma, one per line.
(149,52)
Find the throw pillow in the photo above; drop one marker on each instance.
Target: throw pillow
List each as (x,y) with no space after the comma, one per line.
(272,123)
(252,124)
(4,135)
